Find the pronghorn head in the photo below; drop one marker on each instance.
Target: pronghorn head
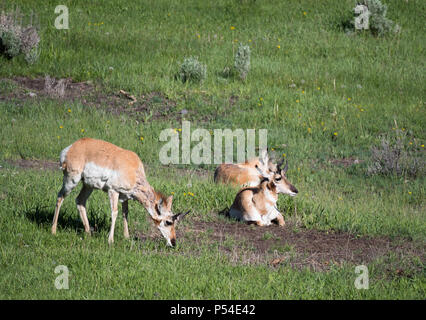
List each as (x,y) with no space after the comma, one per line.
(281,182)
(165,220)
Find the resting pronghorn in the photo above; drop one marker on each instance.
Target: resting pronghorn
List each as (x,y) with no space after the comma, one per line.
(258,204)
(102,165)
(247,174)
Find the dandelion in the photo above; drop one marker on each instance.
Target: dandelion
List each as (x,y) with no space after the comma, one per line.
(422,146)
(179,130)
(403,129)
(305,13)
(61,127)
(232,28)
(298,168)
(284,155)
(69,110)
(184,194)
(303,91)
(261,99)
(297,101)
(249,40)
(82,130)
(319,88)
(235,40)
(322,123)
(198,36)
(409,192)
(362,110)
(278,46)
(309,130)
(349,99)
(141,138)
(410,143)
(173,193)
(59,137)
(272,149)
(340,198)
(259,104)
(335,133)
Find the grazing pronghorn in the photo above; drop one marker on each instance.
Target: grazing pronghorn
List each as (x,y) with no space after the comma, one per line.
(102,165)
(247,174)
(258,204)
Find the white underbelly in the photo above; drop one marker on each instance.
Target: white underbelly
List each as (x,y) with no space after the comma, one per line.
(105,179)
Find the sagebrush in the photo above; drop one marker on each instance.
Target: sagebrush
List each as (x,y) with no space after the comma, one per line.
(192,70)
(16,39)
(397,154)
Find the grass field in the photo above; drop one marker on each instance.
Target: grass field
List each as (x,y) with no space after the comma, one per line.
(325,97)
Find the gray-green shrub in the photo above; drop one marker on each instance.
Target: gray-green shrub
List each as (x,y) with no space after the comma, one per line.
(16,39)
(397,155)
(242,61)
(192,70)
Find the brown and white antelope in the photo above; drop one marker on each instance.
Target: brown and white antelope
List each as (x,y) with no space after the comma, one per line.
(246,174)
(120,173)
(259,204)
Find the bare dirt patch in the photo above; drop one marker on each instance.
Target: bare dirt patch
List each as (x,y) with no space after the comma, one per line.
(34,164)
(346,162)
(152,105)
(298,247)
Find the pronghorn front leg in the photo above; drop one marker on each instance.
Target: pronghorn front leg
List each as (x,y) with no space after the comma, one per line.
(280,220)
(113,199)
(125,209)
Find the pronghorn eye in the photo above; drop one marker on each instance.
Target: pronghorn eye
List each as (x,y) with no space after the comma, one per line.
(278,179)
(168,223)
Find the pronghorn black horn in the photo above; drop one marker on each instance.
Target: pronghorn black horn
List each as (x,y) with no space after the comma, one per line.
(285,167)
(180,215)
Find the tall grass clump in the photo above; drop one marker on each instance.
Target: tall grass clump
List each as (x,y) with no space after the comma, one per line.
(192,70)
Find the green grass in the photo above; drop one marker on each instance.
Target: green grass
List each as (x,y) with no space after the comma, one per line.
(356,86)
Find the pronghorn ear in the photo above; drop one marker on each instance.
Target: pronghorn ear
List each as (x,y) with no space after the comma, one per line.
(262,174)
(264,157)
(279,164)
(169,202)
(160,205)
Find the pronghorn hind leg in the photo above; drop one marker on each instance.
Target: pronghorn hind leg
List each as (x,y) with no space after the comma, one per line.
(69,183)
(85,193)
(125,209)
(113,199)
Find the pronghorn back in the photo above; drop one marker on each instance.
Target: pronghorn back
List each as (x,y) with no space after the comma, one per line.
(101,160)
(245,173)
